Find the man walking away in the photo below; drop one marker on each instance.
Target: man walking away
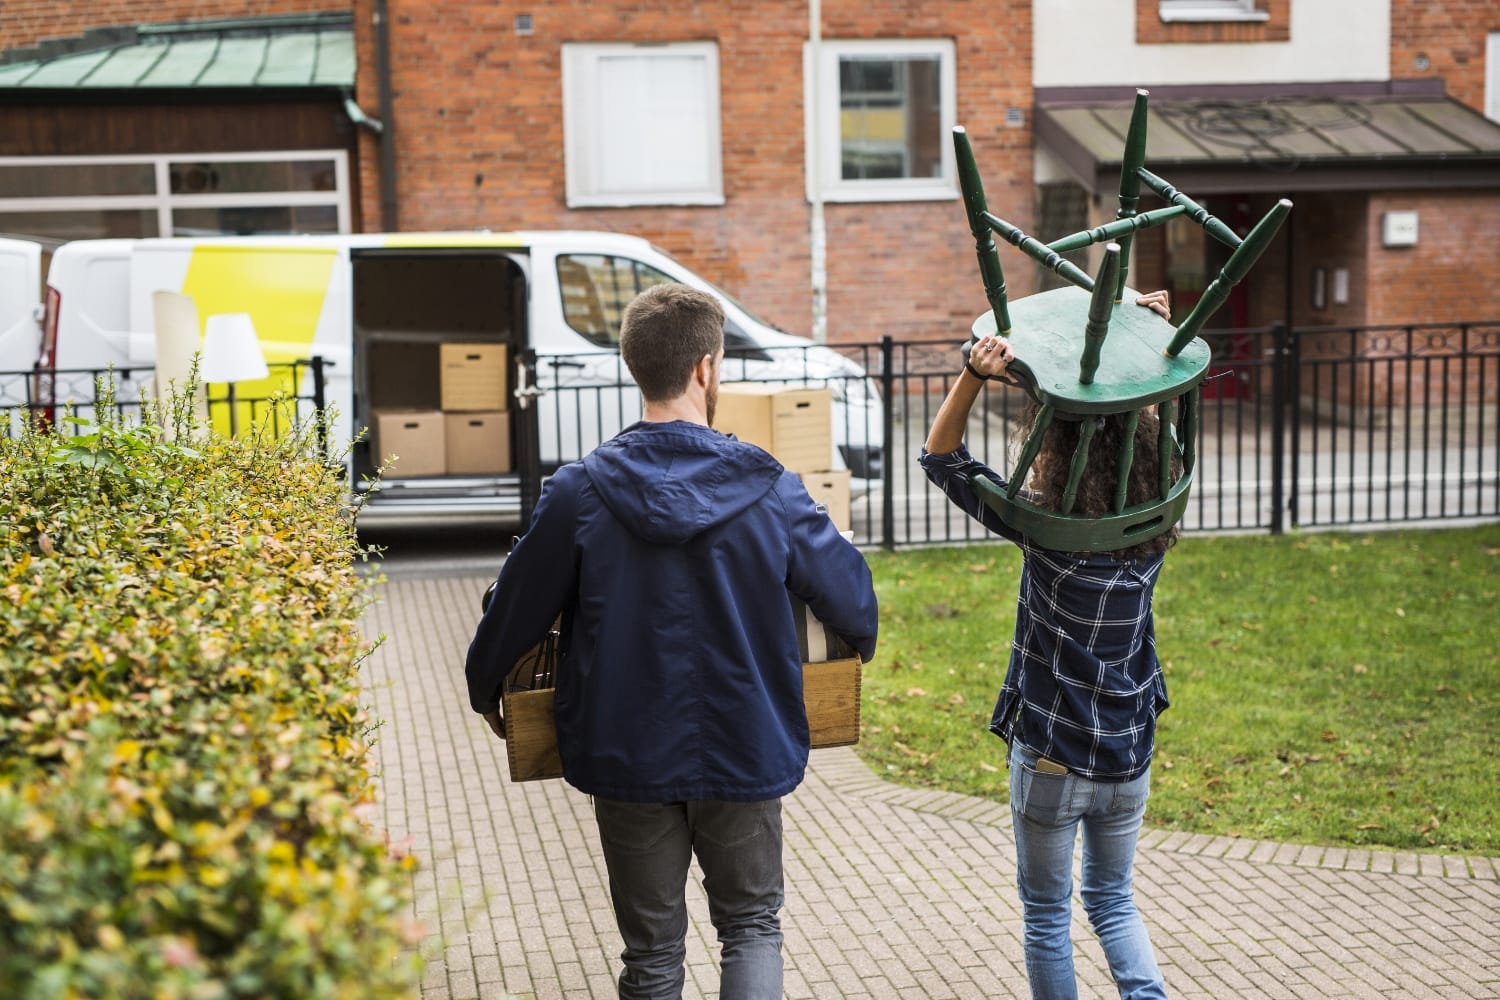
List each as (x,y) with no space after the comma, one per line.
(672,553)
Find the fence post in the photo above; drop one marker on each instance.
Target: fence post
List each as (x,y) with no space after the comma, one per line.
(1278,427)
(888,465)
(1293,401)
(320,405)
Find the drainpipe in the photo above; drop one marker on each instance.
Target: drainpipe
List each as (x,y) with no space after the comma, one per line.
(817,236)
(388,216)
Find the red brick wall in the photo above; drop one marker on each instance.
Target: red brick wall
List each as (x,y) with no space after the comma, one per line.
(1451,35)
(1150,29)
(1449,275)
(479,142)
(27,22)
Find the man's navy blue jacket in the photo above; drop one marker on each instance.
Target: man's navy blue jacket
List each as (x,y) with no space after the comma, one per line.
(671,552)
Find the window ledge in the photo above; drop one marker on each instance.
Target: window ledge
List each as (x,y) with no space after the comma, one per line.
(641,200)
(1209,14)
(858,194)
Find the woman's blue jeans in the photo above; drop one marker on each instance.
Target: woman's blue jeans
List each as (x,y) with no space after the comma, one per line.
(1047,810)
(647,849)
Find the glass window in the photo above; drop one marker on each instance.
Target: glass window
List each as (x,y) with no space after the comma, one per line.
(255,219)
(596,289)
(67,180)
(880,115)
(889,114)
(254,176)
(1211,10)
(90,197)
(79,225)
(641,124)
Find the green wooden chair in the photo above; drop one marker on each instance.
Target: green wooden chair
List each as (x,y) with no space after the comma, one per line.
(1081,354)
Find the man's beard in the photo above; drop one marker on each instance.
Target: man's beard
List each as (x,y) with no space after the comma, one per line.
(711,400)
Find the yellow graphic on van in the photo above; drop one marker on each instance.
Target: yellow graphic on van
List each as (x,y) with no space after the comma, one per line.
(281,287)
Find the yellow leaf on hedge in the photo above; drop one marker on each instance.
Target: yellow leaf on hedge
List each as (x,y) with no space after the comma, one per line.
(162,819)
(213,877)
(126,751)
(259,796)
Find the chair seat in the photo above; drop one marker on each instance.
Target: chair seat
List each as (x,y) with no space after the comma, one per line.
(1076,533)
(1047,338)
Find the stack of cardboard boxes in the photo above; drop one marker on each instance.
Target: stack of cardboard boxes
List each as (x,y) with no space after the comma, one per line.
(469,434)
(794,424)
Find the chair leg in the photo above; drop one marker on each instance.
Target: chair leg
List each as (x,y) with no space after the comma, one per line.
(984,242)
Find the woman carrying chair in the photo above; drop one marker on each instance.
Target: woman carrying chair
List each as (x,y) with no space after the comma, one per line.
(1079,702)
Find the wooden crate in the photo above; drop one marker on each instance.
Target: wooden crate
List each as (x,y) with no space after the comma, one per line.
(531,735)
(831,690)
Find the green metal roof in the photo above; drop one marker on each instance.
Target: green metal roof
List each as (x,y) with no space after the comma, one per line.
(1253,139)
(301,50)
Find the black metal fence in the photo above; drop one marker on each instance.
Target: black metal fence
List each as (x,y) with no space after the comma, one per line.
(68,399)
(1305,428)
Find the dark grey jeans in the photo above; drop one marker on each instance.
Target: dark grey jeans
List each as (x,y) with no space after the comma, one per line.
(647,849)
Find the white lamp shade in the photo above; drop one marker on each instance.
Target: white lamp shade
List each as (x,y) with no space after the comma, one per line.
(231,352)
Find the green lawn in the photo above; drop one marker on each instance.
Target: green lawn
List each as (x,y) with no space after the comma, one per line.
(1330,688)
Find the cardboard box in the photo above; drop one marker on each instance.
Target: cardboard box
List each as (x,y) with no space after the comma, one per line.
(793,423)
(477,443)
(831,489)
(472,377)
(415,436)
(831,686)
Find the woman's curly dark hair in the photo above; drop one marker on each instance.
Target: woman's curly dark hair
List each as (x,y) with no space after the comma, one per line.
(1096,491)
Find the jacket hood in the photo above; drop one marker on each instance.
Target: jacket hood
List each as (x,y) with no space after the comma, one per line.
(667,482)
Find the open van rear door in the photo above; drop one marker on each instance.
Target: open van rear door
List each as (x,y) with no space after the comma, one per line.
(20,316)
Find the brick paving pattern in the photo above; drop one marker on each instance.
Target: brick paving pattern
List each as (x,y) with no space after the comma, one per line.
(891,891)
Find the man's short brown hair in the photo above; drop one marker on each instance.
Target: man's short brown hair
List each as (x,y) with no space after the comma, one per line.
(665,331)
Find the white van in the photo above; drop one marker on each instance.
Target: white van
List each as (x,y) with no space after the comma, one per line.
(378,307)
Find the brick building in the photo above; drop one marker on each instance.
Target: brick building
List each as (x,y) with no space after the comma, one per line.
(700,129)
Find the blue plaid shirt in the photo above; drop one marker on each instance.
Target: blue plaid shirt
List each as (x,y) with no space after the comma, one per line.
(1084,685)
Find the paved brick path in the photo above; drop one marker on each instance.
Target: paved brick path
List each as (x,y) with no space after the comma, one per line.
(891,892)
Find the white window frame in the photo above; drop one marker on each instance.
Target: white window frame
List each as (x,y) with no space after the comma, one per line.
(1492,76)
(582,134)
(822,116)
(163,202)
(1211,10)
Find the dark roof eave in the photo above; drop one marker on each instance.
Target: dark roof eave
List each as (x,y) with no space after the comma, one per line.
(1287,178)
(114,96)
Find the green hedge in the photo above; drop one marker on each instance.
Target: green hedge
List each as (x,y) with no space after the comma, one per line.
(184,793)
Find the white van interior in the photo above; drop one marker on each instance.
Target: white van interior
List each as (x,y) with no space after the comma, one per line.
(408,303)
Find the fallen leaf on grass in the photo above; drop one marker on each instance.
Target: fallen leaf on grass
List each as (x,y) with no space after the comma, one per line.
(916,692)
(988,767)
(1369,826)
